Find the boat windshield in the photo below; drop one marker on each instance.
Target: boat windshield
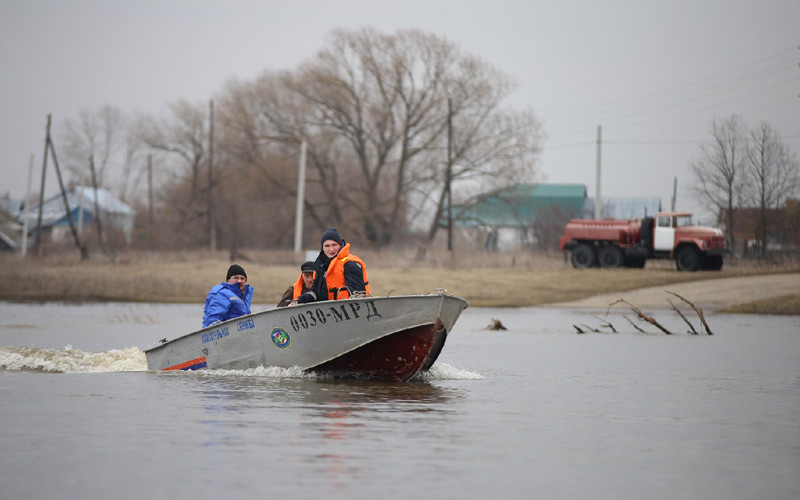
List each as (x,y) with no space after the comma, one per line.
(682,221)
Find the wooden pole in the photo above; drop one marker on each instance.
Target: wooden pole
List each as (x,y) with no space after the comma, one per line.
(83,249)
(597,196)
(674,192)
(25,222)
(449,174)
(97,222)
(41,190)
(149,191)
(212,240)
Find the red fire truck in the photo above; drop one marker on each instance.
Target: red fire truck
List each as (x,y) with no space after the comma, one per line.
(613,243)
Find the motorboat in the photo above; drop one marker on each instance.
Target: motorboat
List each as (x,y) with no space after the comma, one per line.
(391,338)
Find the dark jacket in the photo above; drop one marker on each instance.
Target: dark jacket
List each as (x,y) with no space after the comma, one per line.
(293,292)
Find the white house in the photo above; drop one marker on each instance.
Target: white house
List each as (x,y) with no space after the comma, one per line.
(115,213)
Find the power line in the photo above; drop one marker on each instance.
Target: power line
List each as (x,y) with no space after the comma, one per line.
(615,104)
(620,124)
(644,142)
(622,113)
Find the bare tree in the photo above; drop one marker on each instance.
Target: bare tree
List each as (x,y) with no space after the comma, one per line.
(492,151)
(95,134)
(373,110)
(134,162)
(775,175)
(94,138)
(184,137)
(549,224)
(720,169)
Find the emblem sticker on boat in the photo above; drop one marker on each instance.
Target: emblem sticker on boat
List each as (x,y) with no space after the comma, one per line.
(280,338)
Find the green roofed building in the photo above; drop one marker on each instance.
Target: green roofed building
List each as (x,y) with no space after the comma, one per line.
(521,215)
(522,204)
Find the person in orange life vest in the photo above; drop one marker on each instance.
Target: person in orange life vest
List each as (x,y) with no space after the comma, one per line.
(304,283)
(339,272)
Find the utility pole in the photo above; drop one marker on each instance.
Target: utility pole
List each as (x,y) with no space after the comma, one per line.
(83,249)
(301,194)
(25,222)
(674,192)
(41,190)
(212,239)
(149,191)
(81,208)
(597,200)
(449,174)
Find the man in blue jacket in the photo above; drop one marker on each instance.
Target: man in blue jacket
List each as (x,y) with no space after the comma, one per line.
(230,299)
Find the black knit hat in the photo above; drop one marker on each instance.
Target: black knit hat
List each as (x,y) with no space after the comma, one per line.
(235,270)
(331,234)
(307,267)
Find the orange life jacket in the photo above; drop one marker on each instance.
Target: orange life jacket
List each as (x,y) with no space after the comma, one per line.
(335,276)
(299,286)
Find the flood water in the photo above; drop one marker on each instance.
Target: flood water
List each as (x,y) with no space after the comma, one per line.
(535,411)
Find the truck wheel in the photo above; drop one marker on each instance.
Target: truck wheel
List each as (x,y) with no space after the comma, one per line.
(610,256)
(713,263)
(583,256)
(688,259)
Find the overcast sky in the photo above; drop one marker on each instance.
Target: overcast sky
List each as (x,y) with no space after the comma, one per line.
(654,74)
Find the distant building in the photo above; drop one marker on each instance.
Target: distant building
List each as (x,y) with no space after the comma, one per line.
(526,215)
(10,232)
(624,207)
(115,214)
(782,229)
(519,216)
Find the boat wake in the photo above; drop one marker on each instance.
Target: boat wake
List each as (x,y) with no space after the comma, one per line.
(443,371)
(69,360)
(439,371)
(132,359)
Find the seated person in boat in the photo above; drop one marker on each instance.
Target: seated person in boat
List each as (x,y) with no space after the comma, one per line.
(230,299)
(338,272)
(303,284)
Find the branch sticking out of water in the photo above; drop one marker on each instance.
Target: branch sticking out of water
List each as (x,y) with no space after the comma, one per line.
(496,324)
(633,324)
(641,314)
(697,310)
(694,332)
(607,324)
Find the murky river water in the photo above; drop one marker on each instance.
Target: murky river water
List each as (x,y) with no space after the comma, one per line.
(536,411)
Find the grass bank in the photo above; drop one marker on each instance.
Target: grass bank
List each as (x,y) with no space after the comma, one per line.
(786,304)
(500,280)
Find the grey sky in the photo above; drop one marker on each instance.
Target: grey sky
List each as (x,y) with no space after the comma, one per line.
(654,74)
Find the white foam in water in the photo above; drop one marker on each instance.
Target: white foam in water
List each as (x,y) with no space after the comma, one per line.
(71,360)
(440,371)
(260,371)
(443,371)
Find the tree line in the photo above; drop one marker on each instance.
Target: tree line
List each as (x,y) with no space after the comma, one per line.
(748,167)
(373,110)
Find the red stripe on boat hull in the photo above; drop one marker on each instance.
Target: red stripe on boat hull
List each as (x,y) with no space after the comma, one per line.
(192,364)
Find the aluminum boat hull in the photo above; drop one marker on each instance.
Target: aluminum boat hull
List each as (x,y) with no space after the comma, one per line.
(390,338)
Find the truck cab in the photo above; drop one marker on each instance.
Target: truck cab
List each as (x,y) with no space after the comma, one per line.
(692,247)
